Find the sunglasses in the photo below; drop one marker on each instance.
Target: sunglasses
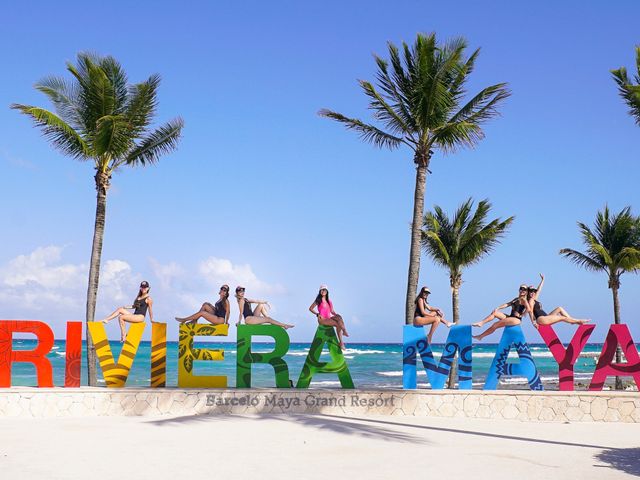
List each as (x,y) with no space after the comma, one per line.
(240,290)
(226,289)
(523,289)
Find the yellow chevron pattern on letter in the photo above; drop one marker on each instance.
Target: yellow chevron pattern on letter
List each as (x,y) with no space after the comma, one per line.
(158,355)
(187,355)
(115,374)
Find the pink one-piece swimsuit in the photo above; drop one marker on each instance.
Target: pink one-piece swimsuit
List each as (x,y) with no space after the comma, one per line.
(325,308)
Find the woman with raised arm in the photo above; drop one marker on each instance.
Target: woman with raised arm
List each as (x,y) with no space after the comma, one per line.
(425,314)
(556,315)
(519,306)
(216,314)
(140,305)
(327,316)
(257,316)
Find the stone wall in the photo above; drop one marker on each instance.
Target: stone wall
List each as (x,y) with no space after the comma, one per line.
(519,405)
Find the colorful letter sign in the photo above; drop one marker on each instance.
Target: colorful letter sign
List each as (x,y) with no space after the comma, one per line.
(73,355)
(566,358)
(115,374)
(313,365)
(415,342)
(37,356)
(187,354)
(513,336)
(158,355)
(246,358)
(618,334)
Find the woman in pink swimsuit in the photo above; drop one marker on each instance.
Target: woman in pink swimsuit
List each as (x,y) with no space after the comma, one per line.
(327,316)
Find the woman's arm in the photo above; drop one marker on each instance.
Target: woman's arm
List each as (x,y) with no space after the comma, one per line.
(312,307)
(241,308)
(531,315)
(258,302)
(539,287)
(150,303)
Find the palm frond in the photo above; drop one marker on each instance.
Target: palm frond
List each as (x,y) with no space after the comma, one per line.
(629,92)
(582,260)
(61,135)
(64,96)
(367,132)
(112,137)
(141,104)
(163,140)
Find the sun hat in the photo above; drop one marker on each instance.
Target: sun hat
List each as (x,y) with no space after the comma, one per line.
(324,287)
(240,287)
(425,289)
(144,284)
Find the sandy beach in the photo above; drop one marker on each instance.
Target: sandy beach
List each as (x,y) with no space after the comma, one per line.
(314,446)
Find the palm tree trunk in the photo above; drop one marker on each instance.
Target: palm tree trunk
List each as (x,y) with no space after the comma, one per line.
(616,319)
(455,302)
(102,184)
(416,232)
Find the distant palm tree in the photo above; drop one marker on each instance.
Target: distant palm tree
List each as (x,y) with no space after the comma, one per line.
(629,92)
(613,246)
(459,242)
(418,101)
(101,118)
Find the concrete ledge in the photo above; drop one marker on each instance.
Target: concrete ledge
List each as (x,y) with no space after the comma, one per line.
(502,404)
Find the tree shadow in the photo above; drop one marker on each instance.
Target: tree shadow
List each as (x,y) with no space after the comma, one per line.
(336,424)
(624,459)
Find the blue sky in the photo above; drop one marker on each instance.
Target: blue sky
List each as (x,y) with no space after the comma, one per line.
(264,192)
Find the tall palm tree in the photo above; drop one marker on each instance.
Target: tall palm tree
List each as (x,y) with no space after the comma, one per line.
(99,117)
(612,246)
(629,92)
(458,242)
(418,100)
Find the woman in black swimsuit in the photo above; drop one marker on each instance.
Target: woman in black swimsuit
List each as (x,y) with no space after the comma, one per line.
(556,315)
(216,314)
(140,305)
(425,314)
(257,316)
(519,306)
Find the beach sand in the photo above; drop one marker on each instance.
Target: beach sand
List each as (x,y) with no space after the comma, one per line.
(314,446)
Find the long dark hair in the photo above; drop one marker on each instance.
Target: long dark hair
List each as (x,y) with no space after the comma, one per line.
(226,295)
(319,298)
(422,290)
(140,294)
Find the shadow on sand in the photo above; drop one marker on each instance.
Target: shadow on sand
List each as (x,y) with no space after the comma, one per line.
(624,459)
(336,424)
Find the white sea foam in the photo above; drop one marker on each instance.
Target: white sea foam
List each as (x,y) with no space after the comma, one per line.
(325,382)
(355,351)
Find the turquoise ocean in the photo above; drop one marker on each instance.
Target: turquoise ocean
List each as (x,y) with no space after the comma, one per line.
(372,365)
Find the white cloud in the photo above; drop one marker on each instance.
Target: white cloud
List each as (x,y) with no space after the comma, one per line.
(166,274)
(217,271)
(41,282)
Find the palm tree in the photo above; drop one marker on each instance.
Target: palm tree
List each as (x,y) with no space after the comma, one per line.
(629,92)
(101,118)
(418,101)
(459,242)
(612,246)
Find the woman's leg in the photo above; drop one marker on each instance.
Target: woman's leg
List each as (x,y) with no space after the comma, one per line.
(131,318)
(205,308)
(256,320)
(260,311)
(119,311)
(495,314)
(555,318)
(509,321)
(338,319)
(330,322)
